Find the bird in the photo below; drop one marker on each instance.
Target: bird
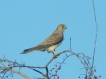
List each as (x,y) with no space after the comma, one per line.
(50,43)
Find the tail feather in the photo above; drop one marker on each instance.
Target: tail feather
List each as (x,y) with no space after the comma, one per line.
(39,47)
(28,50)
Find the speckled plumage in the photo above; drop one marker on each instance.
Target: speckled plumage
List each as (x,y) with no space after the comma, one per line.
(50,43)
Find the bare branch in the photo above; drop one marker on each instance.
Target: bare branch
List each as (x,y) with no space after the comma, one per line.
(82,57)
(15,71)
(96,32)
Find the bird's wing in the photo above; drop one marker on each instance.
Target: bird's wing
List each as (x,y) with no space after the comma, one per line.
(54,39)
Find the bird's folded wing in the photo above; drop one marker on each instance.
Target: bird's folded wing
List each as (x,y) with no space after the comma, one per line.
(54,39)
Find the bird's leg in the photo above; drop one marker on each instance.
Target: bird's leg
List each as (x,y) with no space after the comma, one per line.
(55,54)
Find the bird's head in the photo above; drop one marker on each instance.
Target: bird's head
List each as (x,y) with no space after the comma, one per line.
(61,27)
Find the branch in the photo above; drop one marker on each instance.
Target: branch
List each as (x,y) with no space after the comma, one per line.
(96,33)
(83,59)
(15,71)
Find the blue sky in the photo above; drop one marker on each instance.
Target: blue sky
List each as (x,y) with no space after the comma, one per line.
(26,23)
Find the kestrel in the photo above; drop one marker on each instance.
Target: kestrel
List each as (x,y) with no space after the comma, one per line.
(50,43)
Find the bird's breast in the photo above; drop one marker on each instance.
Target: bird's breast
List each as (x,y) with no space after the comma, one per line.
(52,48)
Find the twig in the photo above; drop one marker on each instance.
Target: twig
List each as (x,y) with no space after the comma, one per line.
(15,71)
(96,33)
(70,43)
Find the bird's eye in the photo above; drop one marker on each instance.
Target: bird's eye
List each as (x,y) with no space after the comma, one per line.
(62,27)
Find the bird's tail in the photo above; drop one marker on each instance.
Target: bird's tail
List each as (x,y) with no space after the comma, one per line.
(28,50)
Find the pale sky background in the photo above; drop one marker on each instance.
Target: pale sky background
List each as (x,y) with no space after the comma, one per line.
(26,23)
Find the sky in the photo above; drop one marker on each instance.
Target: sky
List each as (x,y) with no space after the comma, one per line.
(26,23)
